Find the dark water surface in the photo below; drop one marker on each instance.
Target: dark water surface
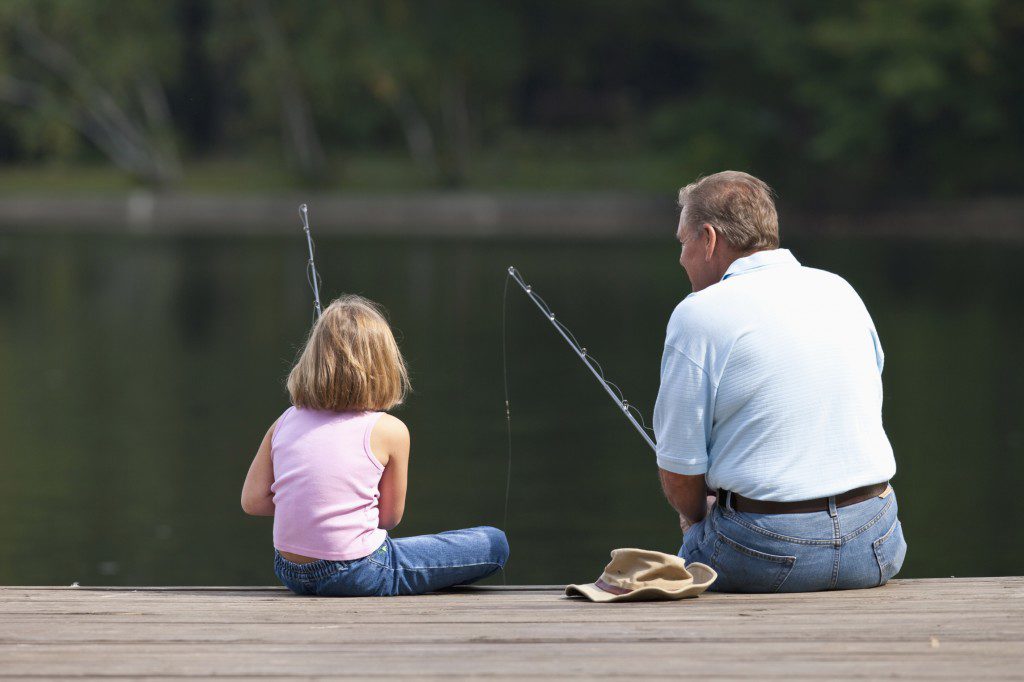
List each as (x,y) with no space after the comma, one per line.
(138,375)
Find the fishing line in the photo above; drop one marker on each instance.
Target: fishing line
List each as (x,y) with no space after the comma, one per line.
(508,413)
(631,413)
(313,277)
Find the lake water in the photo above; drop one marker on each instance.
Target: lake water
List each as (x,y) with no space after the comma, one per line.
(138,375)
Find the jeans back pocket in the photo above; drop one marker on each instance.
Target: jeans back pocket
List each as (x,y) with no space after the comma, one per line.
(890,551)
(742,569)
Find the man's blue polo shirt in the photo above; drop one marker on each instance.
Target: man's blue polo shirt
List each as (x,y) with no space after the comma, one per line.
(771,384)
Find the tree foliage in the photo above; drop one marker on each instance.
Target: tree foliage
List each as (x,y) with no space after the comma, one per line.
(62,68)
(828,100)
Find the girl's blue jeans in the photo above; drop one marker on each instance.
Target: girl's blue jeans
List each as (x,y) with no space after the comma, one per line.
(843,548)
(402,566)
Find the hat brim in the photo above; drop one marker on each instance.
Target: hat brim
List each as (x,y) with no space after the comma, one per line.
(703,576)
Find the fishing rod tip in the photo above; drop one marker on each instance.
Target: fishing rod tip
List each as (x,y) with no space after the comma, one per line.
(511,269)
(303,208)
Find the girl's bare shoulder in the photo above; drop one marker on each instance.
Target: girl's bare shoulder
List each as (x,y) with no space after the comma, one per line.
(390,425)
(390,435)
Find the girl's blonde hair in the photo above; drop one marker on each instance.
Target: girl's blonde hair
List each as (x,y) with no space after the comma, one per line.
(351,361)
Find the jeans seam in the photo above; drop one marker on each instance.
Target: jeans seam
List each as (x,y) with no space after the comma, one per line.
(315,571)
(878,517)
(837,544)
(446,567)
(757,554)
(888,534)
(785,563)
(882,566)
(714,554)
(779,583)
(734,517)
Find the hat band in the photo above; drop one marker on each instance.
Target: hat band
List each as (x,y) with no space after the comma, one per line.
(614,589)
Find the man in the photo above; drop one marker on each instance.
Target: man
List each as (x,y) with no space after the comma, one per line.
(771,398)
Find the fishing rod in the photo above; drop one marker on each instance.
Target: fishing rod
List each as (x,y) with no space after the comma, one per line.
(595,367)
(311,274)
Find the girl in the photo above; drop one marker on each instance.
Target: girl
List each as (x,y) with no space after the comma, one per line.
(332,472)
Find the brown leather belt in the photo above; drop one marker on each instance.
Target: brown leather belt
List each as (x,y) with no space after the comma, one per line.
(745,504)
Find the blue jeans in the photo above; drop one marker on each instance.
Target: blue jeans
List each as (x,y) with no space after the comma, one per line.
(847,548)
(401,566)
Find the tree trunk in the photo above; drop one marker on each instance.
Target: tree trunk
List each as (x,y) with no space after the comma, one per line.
(93,110)
(455,117)
(301,141)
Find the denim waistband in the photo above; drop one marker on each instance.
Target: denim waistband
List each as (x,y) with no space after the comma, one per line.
(314,570)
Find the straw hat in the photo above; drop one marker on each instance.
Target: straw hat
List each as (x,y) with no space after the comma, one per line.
(641,574)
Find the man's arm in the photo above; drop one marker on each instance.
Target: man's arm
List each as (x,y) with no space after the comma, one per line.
(682,417)
(687,495)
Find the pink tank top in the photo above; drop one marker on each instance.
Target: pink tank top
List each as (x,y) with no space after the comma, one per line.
(326,484)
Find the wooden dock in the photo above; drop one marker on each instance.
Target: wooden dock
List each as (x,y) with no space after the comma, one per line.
(971,628)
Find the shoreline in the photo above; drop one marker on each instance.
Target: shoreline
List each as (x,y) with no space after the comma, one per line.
(475,215)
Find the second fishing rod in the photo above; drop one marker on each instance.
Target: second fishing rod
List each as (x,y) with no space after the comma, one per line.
(629,411)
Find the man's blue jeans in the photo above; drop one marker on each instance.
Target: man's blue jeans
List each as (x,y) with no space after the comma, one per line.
(850,547)
(402,566)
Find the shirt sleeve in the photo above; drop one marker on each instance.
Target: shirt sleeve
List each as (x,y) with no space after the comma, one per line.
(683,414)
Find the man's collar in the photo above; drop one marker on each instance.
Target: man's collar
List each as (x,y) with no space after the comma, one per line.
(759,260)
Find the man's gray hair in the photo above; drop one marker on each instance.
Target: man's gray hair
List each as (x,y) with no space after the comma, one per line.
(737,205)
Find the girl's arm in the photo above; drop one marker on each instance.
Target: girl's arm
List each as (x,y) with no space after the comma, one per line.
(256,496)
(389,442)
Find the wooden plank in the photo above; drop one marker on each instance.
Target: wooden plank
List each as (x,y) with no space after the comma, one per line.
(960,628)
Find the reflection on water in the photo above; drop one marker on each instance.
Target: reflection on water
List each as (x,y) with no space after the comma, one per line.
(137,376)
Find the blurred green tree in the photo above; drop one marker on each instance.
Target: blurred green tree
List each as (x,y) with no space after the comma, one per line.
(257,43)
(853,99)
(444,71)
(429,71)
(832,102)
(98,68)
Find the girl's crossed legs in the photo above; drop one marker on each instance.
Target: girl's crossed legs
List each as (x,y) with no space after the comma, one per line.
(402,566)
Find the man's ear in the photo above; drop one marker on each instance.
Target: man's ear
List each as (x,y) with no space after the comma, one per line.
(710,241)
